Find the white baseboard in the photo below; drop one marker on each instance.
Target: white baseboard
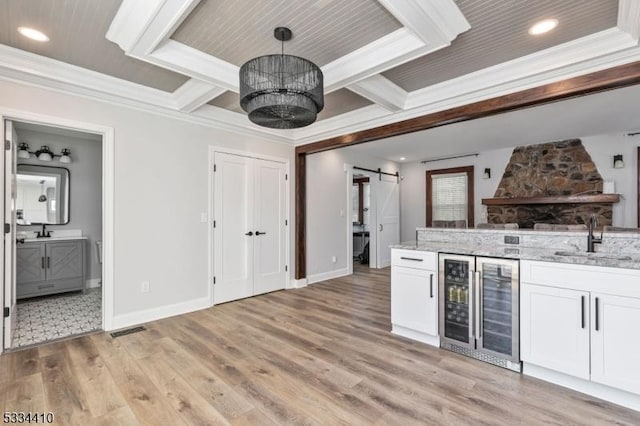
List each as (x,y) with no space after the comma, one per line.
(134,318)
(94,283)
(293,284)
(617,396)
(327,275)
(416,335)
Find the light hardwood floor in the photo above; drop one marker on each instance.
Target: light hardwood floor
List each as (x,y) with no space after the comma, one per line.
(319,355)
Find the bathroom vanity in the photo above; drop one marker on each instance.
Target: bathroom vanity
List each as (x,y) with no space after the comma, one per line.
(50,265)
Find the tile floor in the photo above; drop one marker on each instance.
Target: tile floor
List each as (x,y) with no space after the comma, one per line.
(54,317)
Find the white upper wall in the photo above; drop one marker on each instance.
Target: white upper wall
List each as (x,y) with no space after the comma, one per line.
(600,147)
(327,215)
(161,188)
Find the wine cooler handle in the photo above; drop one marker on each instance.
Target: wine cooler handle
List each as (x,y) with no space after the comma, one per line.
(478,304)
(472,298)
(597,313)
(431,285)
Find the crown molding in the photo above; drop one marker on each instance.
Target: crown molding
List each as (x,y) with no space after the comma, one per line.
(382,91)
(434,22)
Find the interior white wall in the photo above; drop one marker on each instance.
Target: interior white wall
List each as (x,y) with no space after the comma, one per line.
(600,147)
(85,187)
(327,213)
(161,189)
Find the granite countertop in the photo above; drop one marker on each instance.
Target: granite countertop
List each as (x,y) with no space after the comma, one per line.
(615,260)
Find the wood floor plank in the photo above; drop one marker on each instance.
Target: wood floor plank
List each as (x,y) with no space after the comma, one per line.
(319,355)
(102,394)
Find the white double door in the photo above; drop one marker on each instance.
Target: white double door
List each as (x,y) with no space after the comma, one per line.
(250,229)
(387,201)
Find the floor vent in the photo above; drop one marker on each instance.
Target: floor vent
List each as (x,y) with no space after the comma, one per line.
(127,331)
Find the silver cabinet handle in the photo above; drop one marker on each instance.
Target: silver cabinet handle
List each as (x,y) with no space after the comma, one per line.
(431,285)
(478,304)
(42,262)
(597,313)
(472,307)
(411,258)
(582,310)
(48,262)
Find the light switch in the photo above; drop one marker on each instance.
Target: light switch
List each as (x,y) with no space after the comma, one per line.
(203,218)
(341,213)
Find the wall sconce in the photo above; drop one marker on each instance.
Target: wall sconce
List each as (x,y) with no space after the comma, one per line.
(486,174)
(44,153)
(618,163)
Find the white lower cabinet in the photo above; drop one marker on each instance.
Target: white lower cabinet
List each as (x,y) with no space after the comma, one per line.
(414,295)
(615,341)
(581,322)
(554,328)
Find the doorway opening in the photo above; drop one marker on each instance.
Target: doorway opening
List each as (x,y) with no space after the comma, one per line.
(374,223)
(361,220)
(53,262)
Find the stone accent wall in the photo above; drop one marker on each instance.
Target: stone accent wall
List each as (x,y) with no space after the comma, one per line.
(545,170)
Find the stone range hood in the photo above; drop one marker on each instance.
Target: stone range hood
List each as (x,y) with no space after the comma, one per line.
(555,183)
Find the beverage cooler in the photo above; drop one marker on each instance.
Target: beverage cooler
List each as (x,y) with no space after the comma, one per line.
(479,299)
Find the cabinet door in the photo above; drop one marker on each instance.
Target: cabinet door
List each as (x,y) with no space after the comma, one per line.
(30,266)
(614,341)
(64,260)
(554,329)
(414,299)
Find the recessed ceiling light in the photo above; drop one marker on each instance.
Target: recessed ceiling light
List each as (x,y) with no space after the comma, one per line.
(33,34)
(402,158)
(543,26)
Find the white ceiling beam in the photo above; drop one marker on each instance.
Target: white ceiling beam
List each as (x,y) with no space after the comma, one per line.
(434,21)
(195,93)
(186,60)
(629,17)
(387,52)
(382,91)
(140,26)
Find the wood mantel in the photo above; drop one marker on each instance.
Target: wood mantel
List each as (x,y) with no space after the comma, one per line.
(560,199)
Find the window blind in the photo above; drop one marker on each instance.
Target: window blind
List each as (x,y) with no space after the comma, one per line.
(449,196)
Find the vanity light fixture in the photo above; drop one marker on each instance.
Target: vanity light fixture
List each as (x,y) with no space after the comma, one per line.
(23,152)
(33,34)
(44,153)
(542,27)
(618,162)
(486,174)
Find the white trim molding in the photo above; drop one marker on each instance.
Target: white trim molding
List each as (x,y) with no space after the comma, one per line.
(141,317)
(312,279)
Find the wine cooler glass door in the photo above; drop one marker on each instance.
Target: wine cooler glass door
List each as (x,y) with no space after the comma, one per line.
(497,303)
(456,299)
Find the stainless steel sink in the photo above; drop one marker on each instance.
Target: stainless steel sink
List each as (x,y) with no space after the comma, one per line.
(592,255)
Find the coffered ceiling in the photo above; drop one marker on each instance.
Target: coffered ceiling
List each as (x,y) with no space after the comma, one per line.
(383,61)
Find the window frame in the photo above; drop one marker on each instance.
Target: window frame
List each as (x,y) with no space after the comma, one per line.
(469,171)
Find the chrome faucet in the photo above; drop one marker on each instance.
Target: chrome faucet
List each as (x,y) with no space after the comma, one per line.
(44,233)
(591,239)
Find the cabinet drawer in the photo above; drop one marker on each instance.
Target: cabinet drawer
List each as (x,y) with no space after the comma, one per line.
(414,259)
(48,287)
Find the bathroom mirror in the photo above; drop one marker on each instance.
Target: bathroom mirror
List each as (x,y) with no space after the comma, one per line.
(42,195)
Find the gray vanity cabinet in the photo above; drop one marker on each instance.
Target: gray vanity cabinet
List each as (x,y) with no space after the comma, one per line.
(50,267)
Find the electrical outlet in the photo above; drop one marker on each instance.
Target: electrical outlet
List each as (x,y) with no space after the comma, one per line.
(203,218)
(334,259)
(341,213)
(144,288)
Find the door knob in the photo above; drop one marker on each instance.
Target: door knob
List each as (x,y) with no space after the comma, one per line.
(249,234)
(260,233)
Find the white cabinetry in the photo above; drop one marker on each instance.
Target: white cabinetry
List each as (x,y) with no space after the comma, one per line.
(579,328)
(414,295)
(554,329)
(615,343)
